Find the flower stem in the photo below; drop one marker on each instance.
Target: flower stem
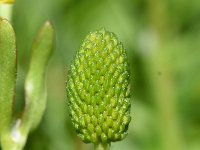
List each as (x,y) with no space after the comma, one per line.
(101,146)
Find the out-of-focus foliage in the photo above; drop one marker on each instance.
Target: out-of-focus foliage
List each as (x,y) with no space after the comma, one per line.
(162,38)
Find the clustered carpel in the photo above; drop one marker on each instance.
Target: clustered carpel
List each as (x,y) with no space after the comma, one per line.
(98,89)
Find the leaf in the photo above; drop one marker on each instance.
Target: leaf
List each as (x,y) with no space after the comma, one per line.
(7,72)
(35,88)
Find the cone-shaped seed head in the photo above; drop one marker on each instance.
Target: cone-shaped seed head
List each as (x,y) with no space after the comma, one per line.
(98,89)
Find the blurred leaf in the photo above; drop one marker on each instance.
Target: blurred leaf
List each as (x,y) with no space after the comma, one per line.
(35,81)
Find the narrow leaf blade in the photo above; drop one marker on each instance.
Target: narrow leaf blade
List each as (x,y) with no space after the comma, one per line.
(35,82)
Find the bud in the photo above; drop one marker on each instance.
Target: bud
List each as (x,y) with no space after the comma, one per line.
(98,89)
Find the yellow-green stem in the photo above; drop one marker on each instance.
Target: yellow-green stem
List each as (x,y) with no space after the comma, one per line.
(161,77)
(101,146)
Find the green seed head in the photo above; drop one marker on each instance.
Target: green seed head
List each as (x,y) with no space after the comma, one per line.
(98,89)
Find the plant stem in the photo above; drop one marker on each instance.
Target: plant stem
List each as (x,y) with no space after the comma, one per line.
(163,85)
(6,11)
(101,146)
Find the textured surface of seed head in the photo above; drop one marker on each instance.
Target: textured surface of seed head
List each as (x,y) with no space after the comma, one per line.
(98,89)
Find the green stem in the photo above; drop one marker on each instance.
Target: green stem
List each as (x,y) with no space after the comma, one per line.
(101,146)
(162,85)
(6,11)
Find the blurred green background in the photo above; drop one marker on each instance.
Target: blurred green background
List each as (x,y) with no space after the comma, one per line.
(162,38)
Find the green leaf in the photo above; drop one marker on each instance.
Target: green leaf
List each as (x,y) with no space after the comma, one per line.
(35,88)
(7,72)
(35,91)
